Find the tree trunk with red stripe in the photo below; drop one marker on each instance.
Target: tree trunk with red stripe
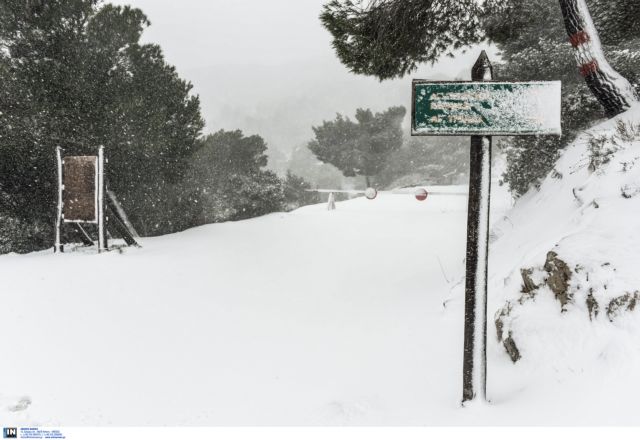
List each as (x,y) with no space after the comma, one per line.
(611,89)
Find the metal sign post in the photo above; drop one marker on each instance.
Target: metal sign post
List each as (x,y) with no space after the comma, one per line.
(481,109)
(474,371)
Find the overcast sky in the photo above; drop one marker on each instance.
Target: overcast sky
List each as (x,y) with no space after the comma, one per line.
(267,66)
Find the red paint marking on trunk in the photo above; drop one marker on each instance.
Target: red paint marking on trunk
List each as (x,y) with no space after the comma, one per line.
(589,68)
(579,38)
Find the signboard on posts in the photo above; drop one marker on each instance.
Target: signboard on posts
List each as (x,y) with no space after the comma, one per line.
(83,199)
(486,108)
(81,188)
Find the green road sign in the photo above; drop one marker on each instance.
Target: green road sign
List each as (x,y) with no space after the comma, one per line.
(486,108)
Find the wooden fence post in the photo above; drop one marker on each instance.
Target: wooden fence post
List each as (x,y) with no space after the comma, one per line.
(57,246)
(102,230)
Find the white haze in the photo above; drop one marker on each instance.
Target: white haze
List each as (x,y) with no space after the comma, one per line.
(268,68)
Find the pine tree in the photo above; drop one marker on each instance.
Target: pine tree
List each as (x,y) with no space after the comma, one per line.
(389,38)
(296,192)
(427,160)
(359,147)
(384,38)
(532,38)
(228,180)
(74,74)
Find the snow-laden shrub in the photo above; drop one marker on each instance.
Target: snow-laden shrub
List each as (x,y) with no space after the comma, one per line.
(19,236)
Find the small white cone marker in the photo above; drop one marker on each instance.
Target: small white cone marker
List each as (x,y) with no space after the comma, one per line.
(331,204)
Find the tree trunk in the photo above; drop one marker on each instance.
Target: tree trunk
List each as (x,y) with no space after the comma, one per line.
(612,90)
(367,181)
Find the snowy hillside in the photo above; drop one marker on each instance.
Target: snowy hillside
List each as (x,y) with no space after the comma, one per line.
(565,277)
(353,316)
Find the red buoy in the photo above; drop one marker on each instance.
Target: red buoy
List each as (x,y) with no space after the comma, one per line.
(421,194)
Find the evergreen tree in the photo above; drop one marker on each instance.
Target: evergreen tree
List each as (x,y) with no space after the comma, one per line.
(359,147)
(376,38)
(389,38)
(228,180)
(427,160)
(296,192)
(532,38)
(74,74)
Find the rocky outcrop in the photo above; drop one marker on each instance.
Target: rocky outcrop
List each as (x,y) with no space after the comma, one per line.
(499,320)
(512,348)
(557,277)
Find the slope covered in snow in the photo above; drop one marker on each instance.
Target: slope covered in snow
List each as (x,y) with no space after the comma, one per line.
(565,276)
(353,316)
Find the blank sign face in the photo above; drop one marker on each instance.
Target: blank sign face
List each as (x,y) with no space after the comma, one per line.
(80,192)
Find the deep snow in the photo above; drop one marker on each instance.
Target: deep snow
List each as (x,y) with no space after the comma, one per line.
(316,317)
(312,317)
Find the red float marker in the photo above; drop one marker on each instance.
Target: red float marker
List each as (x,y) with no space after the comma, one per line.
(421,194)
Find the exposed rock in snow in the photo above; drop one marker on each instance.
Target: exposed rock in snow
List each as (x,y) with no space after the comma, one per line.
(559,277)
(626,302)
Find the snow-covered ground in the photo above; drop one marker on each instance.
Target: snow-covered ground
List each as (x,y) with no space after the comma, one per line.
(348,317)
(580,359)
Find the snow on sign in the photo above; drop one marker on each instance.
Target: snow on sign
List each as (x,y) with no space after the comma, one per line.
(486,108)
